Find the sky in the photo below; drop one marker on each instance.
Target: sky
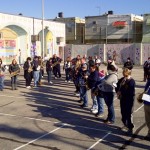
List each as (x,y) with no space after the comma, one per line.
(74,8)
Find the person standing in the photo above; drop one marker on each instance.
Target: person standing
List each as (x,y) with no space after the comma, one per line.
(147,107)
(28,72)
(14,70)
(108,86)
(36,70)
(146,67)
(92,80)
(83,75)
(128,64)
(67,68)
(2,75)
(97,62)
(56,66)
(41,64)
(19,56)
(126,93)
(49,70)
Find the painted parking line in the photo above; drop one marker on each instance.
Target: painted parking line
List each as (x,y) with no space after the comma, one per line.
(30,118)
(47,121)
(38,138)
(98,141)
(138,109)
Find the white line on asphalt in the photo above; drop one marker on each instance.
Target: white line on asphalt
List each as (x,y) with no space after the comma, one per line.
(12,96)
(38,138)
(66,124)
(74,126)
(98,141)
(28,118)
(138,109)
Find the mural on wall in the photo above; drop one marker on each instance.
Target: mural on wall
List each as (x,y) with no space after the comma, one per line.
(120,52)
(137,54)
(8,50)
(101,53)
(33,51)
(49,43)
(146,52)
(67,51)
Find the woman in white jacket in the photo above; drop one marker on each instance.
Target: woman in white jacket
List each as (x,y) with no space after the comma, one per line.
(108,88)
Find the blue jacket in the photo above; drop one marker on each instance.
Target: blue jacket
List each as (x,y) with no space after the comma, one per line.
(92,79)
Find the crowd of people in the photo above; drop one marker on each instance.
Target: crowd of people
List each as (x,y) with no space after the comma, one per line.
(86,74)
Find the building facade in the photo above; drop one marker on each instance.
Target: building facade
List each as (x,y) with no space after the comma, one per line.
(21,37)
(75,27)
(146,28)
(110,28)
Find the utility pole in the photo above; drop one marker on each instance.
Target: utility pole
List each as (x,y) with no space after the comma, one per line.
(43,42)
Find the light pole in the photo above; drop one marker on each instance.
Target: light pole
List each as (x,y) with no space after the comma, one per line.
(43,43)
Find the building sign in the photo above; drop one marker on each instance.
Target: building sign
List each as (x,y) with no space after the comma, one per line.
(119,24)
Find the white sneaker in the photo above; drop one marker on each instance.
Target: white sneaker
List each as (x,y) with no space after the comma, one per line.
(124,128)
(69,81)
(55,77)
(51,82)
(65,80)
(28,87)
(94,111)
(77,94)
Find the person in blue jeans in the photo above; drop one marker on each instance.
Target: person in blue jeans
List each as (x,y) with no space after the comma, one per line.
(36,70)
(83,75)
(99,96)
(108,88)
(92,80)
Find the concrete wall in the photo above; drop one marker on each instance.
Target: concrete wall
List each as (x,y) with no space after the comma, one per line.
(138,52)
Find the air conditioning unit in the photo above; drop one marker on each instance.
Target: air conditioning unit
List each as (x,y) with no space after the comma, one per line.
(59,39)
(34,38)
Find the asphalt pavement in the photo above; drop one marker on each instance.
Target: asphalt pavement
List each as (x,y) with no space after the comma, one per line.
(49,117)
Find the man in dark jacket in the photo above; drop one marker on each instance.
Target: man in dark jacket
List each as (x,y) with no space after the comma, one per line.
(146,68)
(56,66)
(128,64)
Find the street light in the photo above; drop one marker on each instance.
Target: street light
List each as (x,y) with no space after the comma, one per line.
(43,28)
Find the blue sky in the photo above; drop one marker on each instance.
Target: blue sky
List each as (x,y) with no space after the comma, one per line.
(74,8)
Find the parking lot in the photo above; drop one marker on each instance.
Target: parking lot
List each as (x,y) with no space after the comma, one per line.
(49,117)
